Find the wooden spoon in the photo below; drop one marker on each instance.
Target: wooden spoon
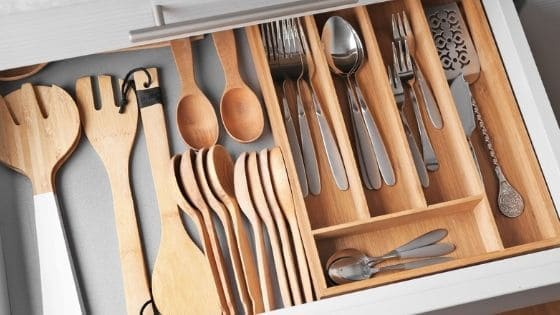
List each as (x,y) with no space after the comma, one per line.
(244,198)
(227,223)
(215,259)
(285,198)
(289,260)
(219,168)
(240,108)
(112,134)
(182,281)
(264,212)
(196,119)
(39,129)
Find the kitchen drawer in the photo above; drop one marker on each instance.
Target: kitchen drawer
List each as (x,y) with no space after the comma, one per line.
(464,210)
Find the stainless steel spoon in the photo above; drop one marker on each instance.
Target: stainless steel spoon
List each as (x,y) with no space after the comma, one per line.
(346,270)
(345,55)
(425,239)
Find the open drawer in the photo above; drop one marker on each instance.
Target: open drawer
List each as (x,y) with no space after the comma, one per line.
(377,220)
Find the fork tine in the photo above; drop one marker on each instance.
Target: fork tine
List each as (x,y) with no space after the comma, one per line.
(390,75)
(105,87)
(402,61)
(395,57)
(407,56)
(402,32)
(395,27)
(6,114)
(302,37)
(407,28)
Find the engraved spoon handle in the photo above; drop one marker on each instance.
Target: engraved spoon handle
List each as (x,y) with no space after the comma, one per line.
(510,201)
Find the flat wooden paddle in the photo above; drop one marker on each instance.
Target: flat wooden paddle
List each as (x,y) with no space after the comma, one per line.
(112,135)
(182,281)
(39,128)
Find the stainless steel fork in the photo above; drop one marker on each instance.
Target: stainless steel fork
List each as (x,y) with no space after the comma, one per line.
(333,154)
(274,48)
(405,71)
(403,31)
(398,92)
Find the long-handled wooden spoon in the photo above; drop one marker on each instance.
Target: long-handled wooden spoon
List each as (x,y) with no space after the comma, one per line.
(240,108)
(280,221)
(225,218)
(188,207)
(264,212)
(284,196)
(219,168)
(196,119)
(246,204)
(112,135)
(182,281)
(39,129)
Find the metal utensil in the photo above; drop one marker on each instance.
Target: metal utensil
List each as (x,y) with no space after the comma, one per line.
(345,55)
(403,31)
(286,62)
(350,269)
(405,70)
(398,92)
(425,239)
(459,57)
(271,43)
(4,297)
(333,153)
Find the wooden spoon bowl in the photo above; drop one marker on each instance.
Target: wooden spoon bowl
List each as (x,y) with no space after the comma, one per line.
(242,114)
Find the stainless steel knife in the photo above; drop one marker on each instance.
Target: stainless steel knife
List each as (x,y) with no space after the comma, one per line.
(463,100)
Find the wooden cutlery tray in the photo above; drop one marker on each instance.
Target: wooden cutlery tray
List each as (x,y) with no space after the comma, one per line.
(376,221)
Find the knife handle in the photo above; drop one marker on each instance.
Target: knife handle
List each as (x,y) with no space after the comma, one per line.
(333,154)
(432,163)
(429,100)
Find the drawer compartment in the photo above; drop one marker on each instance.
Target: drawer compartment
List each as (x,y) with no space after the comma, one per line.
(377,220)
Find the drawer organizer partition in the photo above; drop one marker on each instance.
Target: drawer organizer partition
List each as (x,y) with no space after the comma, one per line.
(376,221)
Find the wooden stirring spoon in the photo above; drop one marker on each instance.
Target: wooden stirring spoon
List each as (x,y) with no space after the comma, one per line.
(285,198)
(39,129)
(219,168)
(240,108)
(227,223)
(264,212)
(208,234)
(112,135)
(182,281)
(246,204)
(196,119)
(280,221)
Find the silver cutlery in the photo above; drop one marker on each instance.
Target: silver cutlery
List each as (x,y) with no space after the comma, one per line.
(423,240)
(398,92)
(331,148)
(345,55)
(405,71)
(403,31)
(4,297)
(350,269)
(273,43)
(459,58)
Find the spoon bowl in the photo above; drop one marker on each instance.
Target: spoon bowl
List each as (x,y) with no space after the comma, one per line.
(196,118)
(242,114)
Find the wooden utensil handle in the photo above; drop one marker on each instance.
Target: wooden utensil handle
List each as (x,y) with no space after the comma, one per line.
(59,286)
(227,52)
(182,53)
(263,264)
(135,280)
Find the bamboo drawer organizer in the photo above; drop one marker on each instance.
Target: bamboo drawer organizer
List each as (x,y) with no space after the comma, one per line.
(378,220)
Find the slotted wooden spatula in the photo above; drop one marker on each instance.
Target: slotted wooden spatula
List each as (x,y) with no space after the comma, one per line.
(112,135)
(39,128)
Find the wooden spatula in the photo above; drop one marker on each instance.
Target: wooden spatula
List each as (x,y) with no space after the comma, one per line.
(182,281)
(112,135)
(39,128)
